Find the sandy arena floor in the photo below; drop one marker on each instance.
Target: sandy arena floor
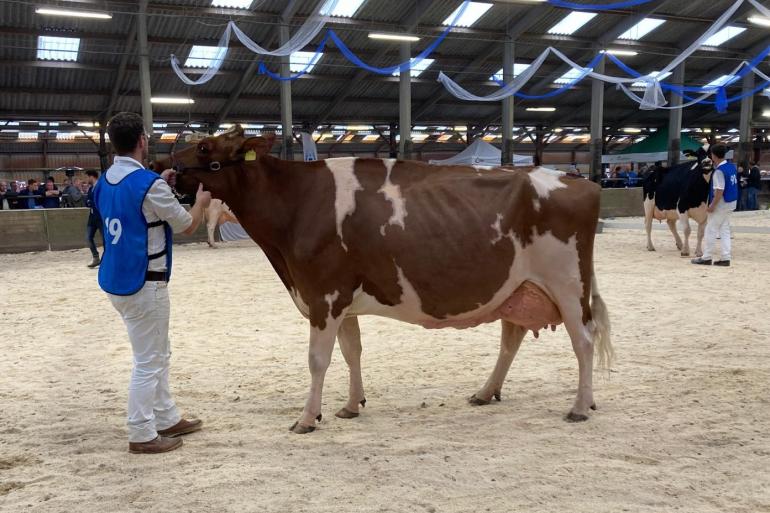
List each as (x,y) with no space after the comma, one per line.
(683,421)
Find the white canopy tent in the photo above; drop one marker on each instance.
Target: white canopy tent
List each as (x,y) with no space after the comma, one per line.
(481,153)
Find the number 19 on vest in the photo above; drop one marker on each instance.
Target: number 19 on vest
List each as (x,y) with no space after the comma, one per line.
(114,228)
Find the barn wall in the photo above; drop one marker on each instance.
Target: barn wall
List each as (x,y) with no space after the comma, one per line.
(55,229)
(621,202)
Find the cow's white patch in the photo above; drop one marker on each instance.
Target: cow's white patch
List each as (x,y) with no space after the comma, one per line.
(497,227)
(345,187)
(546,180)
(410,301)
(536,204)
(330,299)
(303,307)
(393,194)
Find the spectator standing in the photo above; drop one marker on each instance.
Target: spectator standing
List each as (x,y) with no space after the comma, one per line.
(50,194)
(753,184)
(3,201)
(12,196)
(29,194)
(71,195)
(94,222)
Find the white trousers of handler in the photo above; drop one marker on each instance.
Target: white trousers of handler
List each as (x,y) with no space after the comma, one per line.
(718,225)
(146,315)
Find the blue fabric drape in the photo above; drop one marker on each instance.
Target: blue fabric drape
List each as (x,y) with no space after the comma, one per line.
(263,70)
(563,89)
(598,7)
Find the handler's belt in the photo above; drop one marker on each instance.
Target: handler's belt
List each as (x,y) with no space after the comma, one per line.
(155,276)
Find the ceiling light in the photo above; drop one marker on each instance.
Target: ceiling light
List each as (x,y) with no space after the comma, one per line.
(171,100)
(572,23)
(632,130)
(541,109)
(471,15)
(723,35)
(73,14)
(341,8)
(760,20)
(518,69)
(641,29)
(238,4)
(392,37)
(626,53)
(766,113)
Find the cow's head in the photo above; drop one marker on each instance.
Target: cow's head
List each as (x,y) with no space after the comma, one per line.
(211,159)
(706,168)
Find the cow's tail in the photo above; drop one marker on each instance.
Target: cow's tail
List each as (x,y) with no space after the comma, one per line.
(601,332)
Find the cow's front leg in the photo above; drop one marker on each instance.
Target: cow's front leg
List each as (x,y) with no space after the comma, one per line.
(649,208)
(319,356)
(211,226)
(349,336)
(684,219)
(510,342)
(699,244)
(672,226)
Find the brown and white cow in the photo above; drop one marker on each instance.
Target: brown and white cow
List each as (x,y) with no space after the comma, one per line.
(435,246)
(218,212)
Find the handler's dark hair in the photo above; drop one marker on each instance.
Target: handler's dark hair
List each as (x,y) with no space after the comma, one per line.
(718,150)
(125,129)
(92,172)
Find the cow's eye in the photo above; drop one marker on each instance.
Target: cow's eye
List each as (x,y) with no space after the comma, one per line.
(202,148)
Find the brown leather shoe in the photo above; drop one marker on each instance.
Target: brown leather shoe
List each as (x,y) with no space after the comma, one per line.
(156,446)
(183,427)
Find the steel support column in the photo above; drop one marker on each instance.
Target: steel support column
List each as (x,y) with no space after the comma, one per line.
(745,146)
(675,119)
(144,73)
(405,105)
(597,124)
(287,146)
(507,135)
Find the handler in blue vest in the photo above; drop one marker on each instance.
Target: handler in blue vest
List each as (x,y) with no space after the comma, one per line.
(723,198)
(139,215)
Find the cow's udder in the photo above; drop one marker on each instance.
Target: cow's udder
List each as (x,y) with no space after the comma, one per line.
(530,308)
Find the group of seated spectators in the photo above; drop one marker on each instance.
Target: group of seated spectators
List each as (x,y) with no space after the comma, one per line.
(32,194)
(623,176)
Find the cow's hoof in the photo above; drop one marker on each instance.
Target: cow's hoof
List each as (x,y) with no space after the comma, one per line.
(478,401)
(576,417)
(301,429)
(497,396)
(650,248)
(685,253)
(593,406)
(344,413)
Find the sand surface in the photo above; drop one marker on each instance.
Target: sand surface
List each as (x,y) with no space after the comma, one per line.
(683,421)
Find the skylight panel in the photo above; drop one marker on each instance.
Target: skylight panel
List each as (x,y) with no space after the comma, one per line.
(342,8)
(201,56)
(471,15)
(237,4)
(719,82)
(723,35)
(518,69)
(654,74)
(52,48)
(569,76)
(303,61)
(572,23)
(418,68)
(641,29)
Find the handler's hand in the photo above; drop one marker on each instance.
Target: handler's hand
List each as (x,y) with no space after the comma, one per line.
(710,208)
(169,175)
(202,197)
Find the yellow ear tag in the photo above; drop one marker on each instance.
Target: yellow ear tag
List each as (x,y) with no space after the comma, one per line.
(250,155)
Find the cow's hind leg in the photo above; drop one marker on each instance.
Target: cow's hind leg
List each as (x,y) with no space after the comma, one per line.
(319,357)
(649,208)
(684,220)
(349,336)
(672,226)
(509,344)
(211,225)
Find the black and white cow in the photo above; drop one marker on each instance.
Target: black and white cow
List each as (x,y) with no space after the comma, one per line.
(679,193)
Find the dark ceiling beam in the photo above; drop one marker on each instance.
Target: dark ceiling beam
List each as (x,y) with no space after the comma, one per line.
(408,23)
(121,71)
(516,30)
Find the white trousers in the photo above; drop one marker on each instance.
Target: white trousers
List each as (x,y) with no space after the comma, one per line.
(146,315)
(718,225)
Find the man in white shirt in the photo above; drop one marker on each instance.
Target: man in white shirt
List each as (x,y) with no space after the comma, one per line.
(139,214)
(723,198)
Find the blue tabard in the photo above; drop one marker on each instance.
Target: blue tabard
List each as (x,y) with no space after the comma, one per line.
(731,183)
(124,263)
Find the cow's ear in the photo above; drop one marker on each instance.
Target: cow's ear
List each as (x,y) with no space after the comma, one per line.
(270,139)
